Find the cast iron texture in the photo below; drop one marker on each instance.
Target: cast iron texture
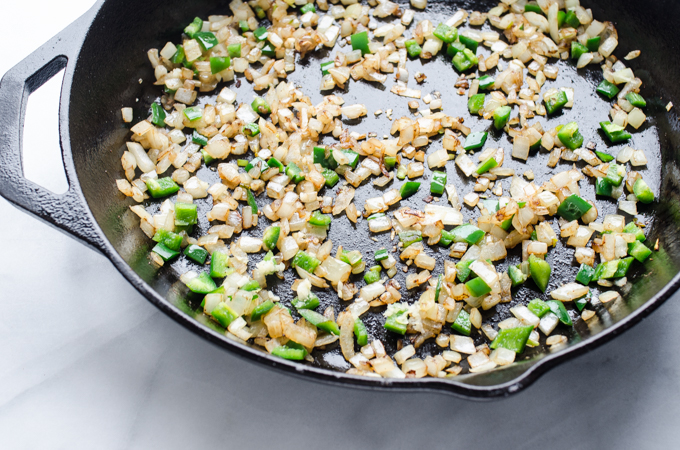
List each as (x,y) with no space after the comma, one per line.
(105,55)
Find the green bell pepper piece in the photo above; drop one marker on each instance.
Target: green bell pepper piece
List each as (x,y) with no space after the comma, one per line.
(292,354)
(219,265)
(202,284)
(465,60)
(560,311)
(477,287)
(572,20)
(207,40)
(623,267)
(605,157)
(639,251)
(168,238)
(454,48)
(360,42)
(476,102)
(540,272)
(486,165)
(413,48)
(462,323)
(320,220)
(309,7)
(294,173)
(219,63)
(409,188)
(251,202)
(636,100)
(603,187)
(372,275)
(360,332)
(501,116)
(157,115)
(381,255)
(470,43)
(593,44)
(615,174)
(614,133)
(467,233)
(538,307)
(634,229)
(224,315)
(570,136)
(161,187)
(165,252)
(393,322)
(196,253)
(199,139)
(311,302)
(463,270)
(320,321)
(516,275)
(260,310)
(193,114)
(486,82)
(577,50)
(573,207)
(185,214)
(475,140)
(530,7)
(410,237)
(438,182)
(261,33)
(446,33)
(234,50)
(609,90)
(271,237)
(305,261)
(514,339)
(179,56)
(261,106)
(642,191)
(193,28)
(556,101)
(585,274)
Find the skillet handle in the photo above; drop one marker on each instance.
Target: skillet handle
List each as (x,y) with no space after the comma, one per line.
(67,212)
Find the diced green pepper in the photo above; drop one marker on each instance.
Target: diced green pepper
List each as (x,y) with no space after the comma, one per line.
(162,187)
(609,90)
(409,188)
(261,33)
(462,323)
(470,43)
(196,253)
(164,252)
(614,133)
(185,214)
(603,187)
(556,101)
(394,321)
(311,302)
(573,207)
(402,171)
(309,7)
(261,106)
(642,191)
(467,233)
(561,17)
(219,63)
(372,275)
(320,220)
(639,251)
(292,354)
(268,50)
(320,321)
(360,332)
(331,177)
(605,157)
(634,229)
(585,274)
(251,129)
(593,44)
(486,82)
(325,66)
(577,50)
(251,285)
(352,258)
(168,238)
(219,265)
(476,103)
(390,162)
(305,261)
(202,284)
(615,174)
(530,7)
(538,307)
(560,311)
(514,339)
(243,25)
(475,140)
(454,48)
(540,272)
(234,50)
(260,310)
(381,255)
(193,28)
(294,173)
(273,162)
(193,114)
(516,275)
(438,288)
(465,60)
(438,182)
(570,136)
(623,266)
(501,116)
(157,115)
(446,33)
(486,165)
(572,20)
(477,287)
(446,239)
(413,48)
(636,100)
(463,270)
(199,139)
(271,237)
(581,303)
(207,40)
(360,42)
(224,315)
(179,56)
(410,237)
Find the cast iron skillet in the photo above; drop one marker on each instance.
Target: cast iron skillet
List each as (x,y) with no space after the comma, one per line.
(104,55)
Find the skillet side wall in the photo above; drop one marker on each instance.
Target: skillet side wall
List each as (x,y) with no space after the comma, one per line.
(113,58)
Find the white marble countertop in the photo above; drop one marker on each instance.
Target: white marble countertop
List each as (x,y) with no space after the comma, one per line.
(86,362)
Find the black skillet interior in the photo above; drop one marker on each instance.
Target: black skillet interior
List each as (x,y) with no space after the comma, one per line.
(113,59)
